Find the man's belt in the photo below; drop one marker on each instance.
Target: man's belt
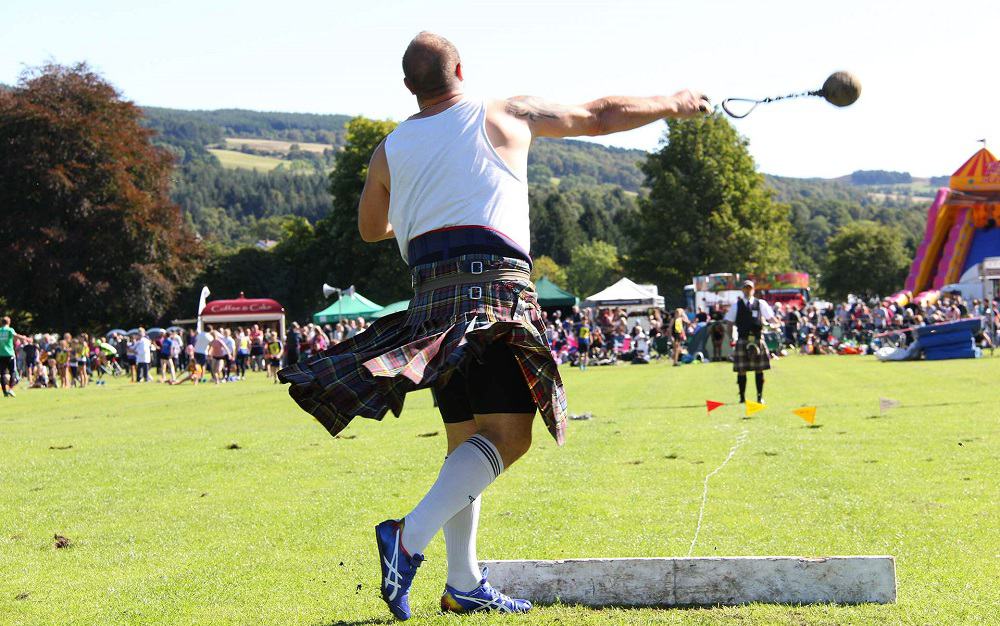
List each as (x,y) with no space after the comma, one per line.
(474,278)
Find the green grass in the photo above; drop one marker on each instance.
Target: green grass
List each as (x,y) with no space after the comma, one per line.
(231,159)
(168,526)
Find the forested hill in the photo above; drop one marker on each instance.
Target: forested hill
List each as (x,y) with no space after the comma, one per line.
(577,162)
(585,163)
(821,207)
(211,126)
(244,174)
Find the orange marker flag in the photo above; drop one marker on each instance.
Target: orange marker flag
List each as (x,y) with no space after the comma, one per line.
(754,407)
(808,413)
(711,405)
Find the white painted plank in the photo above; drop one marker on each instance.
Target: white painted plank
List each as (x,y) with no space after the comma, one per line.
(701,581)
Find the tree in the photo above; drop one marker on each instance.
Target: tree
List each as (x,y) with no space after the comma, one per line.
(866,259)
(376,269)
(601,207)
(708,210)
(545,266)
(89,235)
(594,266)
(555,228)
(256,273)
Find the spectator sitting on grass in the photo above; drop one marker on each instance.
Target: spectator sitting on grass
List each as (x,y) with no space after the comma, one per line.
(194,371)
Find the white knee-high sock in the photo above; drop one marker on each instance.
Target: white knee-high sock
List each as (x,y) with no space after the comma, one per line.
(460,541)
(467,471)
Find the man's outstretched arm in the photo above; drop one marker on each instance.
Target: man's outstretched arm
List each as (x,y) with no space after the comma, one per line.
(603,116)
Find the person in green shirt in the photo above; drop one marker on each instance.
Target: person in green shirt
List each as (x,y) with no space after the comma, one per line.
(7,337)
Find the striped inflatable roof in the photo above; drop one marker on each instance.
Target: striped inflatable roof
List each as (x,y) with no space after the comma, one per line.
(980,173)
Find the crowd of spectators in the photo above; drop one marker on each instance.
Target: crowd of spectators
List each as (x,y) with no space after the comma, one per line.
(606,336)
(173,356)
(580,337)
(602,336)
(861,327)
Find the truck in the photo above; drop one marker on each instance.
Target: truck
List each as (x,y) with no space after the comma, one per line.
(712,290)
(723,289)
(788,288)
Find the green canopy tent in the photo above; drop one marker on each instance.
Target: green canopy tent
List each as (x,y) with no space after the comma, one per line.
(347,307)
(395,307)
(550,295)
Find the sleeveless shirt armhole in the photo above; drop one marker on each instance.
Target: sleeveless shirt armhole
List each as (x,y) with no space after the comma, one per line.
(496,155)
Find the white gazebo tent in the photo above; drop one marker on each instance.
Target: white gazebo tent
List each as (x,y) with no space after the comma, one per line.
(627,294)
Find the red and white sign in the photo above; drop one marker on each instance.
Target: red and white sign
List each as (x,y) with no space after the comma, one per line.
(244,310)
(242,306)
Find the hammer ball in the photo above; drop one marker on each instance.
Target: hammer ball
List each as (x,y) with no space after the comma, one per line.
(841,89)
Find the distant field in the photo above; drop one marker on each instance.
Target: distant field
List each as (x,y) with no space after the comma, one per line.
(231,159)
(923,187)
(917,197)
(272,145)
(920,190)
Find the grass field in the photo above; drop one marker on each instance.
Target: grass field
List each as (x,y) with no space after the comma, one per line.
(168,525)
(231,159)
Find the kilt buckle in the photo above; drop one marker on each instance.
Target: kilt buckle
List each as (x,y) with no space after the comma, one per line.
(476,293)
(476,267)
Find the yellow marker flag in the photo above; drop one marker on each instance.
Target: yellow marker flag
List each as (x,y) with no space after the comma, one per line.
(754,407)
(808,413)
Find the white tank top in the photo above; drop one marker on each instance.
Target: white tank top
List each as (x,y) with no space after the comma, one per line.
(444,172)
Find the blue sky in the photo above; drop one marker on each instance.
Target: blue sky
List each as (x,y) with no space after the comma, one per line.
(931,86)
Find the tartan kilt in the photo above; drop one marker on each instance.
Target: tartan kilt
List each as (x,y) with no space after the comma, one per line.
(745,360)
(441,332)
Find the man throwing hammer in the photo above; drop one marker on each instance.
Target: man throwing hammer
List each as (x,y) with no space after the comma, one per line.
(748,317)
(449,184)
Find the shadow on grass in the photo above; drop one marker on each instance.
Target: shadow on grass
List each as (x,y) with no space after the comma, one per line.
(669,406)
(619,611)
(379,620)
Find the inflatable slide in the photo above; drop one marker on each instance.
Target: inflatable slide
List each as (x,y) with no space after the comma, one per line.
(963,227)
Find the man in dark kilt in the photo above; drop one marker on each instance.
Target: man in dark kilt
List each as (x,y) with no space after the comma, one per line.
(748,316)
(473,332)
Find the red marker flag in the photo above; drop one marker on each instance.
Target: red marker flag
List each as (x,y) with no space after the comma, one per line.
(711,405)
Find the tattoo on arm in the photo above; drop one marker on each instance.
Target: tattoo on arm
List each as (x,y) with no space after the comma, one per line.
(531,108)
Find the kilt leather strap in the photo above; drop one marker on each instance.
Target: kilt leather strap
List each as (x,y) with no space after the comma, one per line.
(469,278)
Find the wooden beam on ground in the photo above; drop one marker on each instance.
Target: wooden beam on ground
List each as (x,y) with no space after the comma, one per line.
(700,581)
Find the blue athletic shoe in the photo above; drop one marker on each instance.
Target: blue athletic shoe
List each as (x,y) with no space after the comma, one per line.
(482,598)
(398,567)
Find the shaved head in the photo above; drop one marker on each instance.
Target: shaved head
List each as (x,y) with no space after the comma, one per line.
(429,65)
